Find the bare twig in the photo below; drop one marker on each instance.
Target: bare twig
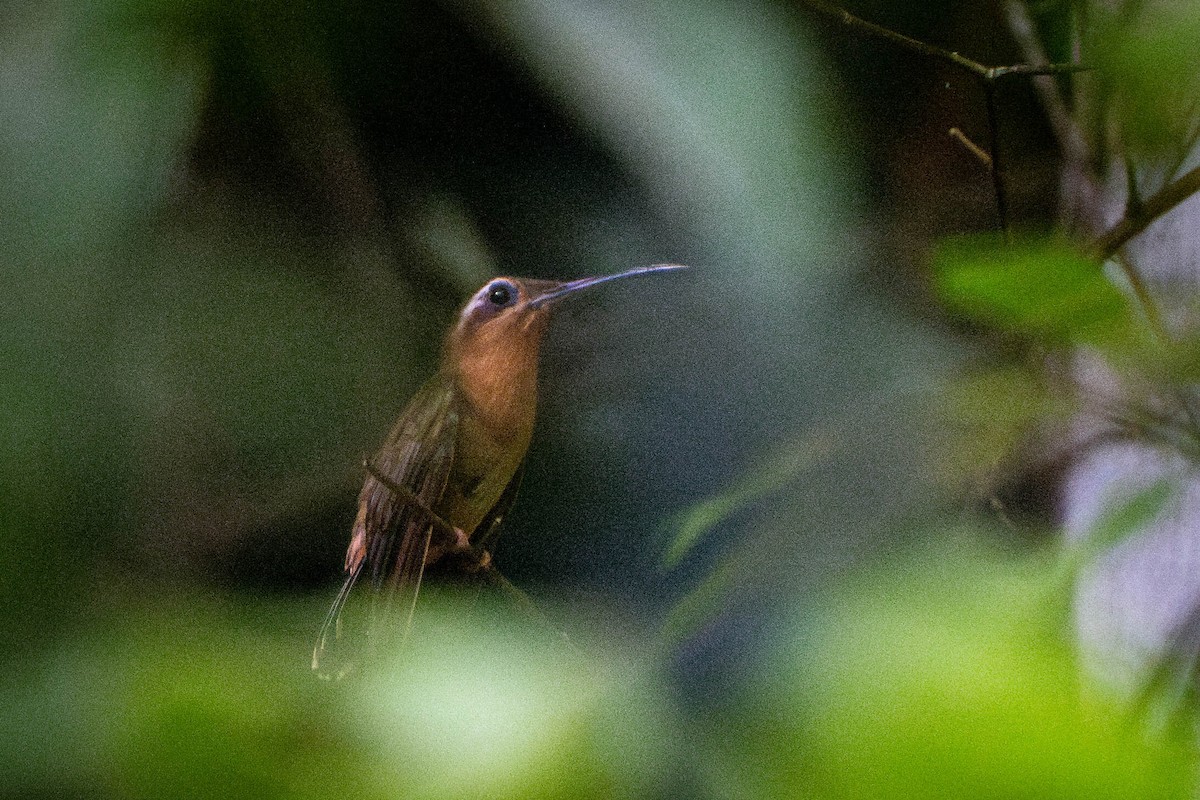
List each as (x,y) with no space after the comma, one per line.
(997,170)
(982,155)
(987,75)
(1144,298)
(1139,214)
(1071,140)
(1154,207)
(982,71)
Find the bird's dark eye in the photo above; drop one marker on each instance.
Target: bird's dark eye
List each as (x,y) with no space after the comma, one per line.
(502,293)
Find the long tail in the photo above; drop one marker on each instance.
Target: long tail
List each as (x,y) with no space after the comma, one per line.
(326,645)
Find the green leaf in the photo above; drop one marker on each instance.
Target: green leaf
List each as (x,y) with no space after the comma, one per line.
(1152,64)
(934,674)
(698,606)
(793,459)
(985,414)
(1038,287)
(1123,519)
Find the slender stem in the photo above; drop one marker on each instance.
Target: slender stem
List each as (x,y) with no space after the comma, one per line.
(1079,205)
(982,71)
(1154,207)
(1157,327)
(1070,138)
(405,494)
(980,154)
(1144,298)
(988,75)
(522,601)
(997,165)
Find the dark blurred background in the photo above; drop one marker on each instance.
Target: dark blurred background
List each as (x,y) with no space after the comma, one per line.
(233,237)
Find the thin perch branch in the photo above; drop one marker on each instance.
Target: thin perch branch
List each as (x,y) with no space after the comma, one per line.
(407,495)
(487,570)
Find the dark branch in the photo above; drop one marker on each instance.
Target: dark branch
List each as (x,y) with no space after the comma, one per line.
(1154,207)
(405,494)
(982,71)
(1066,130)
(997,165)
(484,568)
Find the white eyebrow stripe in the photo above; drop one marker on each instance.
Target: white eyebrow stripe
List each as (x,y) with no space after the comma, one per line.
(479,298)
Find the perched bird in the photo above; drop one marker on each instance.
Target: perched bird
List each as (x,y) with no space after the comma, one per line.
(449,470)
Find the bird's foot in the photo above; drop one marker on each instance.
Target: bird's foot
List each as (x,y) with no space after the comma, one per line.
(468,558)
(483,560)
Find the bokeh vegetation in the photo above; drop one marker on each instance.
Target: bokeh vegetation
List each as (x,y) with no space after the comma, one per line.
(787,506)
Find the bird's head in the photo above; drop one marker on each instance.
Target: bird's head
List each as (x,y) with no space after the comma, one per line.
(503,322)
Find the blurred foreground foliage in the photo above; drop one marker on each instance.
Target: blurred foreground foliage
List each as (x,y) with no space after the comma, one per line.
(939,673)
(1038,287)
(477,705)
(947,673)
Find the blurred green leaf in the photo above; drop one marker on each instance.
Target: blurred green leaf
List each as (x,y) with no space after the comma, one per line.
(93,127)
(1148,53)
(1041,288)
(699,606)
(784,466)
(214,697)
(476,705)
(936,675)
(840,487)
(1123,518)
(986,414)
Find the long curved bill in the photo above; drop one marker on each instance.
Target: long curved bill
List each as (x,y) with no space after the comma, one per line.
(583,283)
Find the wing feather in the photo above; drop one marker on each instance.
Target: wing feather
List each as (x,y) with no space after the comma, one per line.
(488,530)
(392,532)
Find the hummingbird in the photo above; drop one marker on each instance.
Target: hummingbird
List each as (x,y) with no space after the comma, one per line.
(448,472)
